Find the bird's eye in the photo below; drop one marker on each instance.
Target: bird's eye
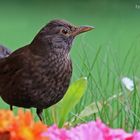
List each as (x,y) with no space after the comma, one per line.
(64,31)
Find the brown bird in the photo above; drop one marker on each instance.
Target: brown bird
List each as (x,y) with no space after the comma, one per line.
(38,75)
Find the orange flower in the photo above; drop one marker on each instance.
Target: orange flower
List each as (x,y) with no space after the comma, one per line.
(6,119)
(22,126)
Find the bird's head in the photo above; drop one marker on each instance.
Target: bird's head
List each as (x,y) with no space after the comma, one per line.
(59,34)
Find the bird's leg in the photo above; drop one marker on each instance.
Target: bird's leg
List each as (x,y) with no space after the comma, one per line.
(39,113)
(11,107)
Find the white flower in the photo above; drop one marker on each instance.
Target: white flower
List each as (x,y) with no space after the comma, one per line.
(128,83)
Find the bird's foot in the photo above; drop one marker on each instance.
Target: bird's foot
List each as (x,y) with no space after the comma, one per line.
(11,107)
(39,113)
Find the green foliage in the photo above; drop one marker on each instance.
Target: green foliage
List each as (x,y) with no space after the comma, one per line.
(72,97)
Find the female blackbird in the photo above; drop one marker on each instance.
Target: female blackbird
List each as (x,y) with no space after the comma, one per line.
(38,75)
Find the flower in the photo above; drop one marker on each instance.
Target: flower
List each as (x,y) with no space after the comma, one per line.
(21,127)
(55,133)
(99,131)
(128,83)
(90,131)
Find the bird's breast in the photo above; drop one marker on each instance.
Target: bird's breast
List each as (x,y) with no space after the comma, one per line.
(51,79)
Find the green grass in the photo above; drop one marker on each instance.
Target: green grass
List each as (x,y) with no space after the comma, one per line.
(104,55)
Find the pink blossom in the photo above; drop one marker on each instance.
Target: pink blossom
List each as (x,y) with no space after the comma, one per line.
(54,133)
(90,131)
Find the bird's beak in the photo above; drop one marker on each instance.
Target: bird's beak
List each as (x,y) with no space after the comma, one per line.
(82,29)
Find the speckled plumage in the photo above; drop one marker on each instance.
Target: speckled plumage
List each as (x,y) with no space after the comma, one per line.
(38,75)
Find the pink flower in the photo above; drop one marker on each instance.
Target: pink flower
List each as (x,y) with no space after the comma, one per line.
(87,131)
(135,135)
(54,133)
(90,131)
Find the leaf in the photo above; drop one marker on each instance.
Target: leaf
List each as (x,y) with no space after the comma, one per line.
(95,107)
(71,98)
(90,109)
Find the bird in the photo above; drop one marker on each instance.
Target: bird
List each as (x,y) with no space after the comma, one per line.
(38,74)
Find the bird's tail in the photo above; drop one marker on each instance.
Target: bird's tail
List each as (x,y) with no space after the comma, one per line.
(4,52)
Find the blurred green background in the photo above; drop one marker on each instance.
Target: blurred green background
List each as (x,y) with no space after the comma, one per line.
(116,21)
(104,55)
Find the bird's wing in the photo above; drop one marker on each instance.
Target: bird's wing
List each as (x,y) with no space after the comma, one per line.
(12,66)
(13,77)
(14,61)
